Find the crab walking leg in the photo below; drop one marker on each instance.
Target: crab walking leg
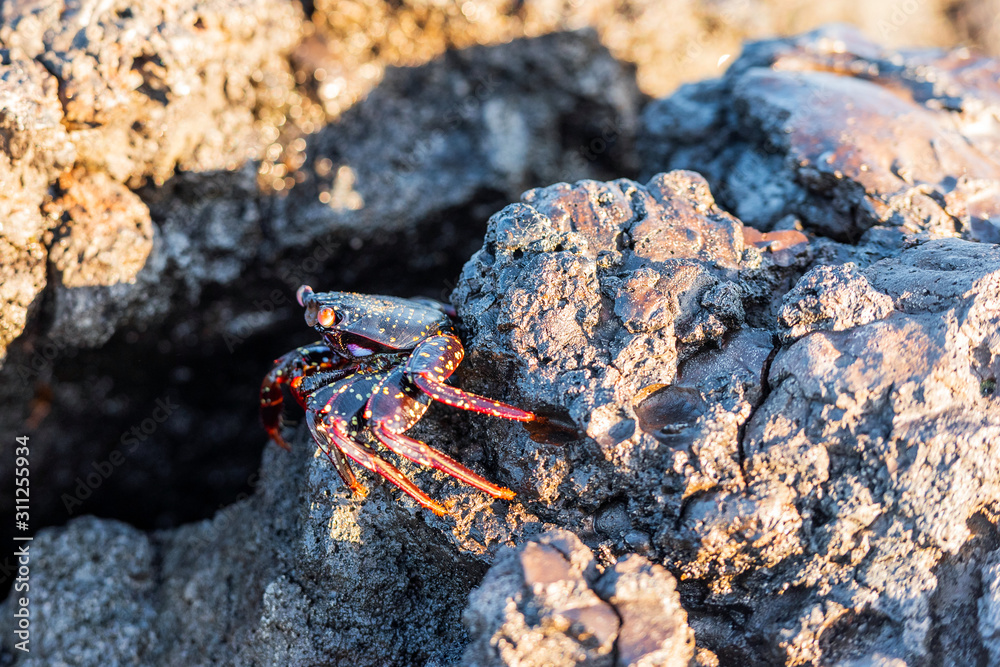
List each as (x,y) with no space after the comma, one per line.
(369,459)
(424,454)
(434,360)
(335,457)
(290,369)
(394,407)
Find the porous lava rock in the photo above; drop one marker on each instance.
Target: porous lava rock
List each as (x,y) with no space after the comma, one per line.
(197,276)
(547,604)
(781,439)
(34,147)
(834,132)
(809,457)
(635,314)
(831,468)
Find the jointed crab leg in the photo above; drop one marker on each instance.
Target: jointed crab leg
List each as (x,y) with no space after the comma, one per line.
(434,360)
(369,459)
(392,409)
(424,454)
(336,457)
(290,369)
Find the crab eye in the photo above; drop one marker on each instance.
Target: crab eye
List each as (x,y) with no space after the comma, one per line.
(326,317)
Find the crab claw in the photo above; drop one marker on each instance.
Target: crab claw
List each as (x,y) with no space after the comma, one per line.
(303,293)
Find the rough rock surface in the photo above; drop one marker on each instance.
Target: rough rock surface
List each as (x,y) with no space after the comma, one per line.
(384,183)
(858,493)
(157,110)
(96,255)
(125,100)
(623,309)
(139,98)
(826,500)
(297,574)
(798,431)
(33,149)
(831,298)
(834,132)
(887,443)
(546,603)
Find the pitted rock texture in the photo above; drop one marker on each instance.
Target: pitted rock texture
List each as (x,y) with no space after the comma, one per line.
(859,493)
(547,604)
(633,312)
(137,95)
(96,254)
(810,455)
(34,147)
(832,298)
(297,574)
(826,497)
(381,178)
(393,194)
(141,94)
(885,436)
(834,132)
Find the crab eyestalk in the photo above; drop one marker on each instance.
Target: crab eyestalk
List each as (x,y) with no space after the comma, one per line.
(304,292)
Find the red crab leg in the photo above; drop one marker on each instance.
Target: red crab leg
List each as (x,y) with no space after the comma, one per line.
(434,360)
(424,454)
(369,459)
(290,369)
(392,409)
(340,464)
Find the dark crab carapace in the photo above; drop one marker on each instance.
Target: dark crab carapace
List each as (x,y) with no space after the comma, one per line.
(380,363)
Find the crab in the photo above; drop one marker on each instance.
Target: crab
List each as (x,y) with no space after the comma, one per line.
(380,363)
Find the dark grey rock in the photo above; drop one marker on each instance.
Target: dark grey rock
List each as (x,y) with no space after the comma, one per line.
(843,134)
(92,595)
(429,152)
(831,298)
(881,434)
(861,472)
(100,255)
(297,574)
(618,308)
(810,456)
(434,138)
(546,603)
(988,607)
(824,501)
